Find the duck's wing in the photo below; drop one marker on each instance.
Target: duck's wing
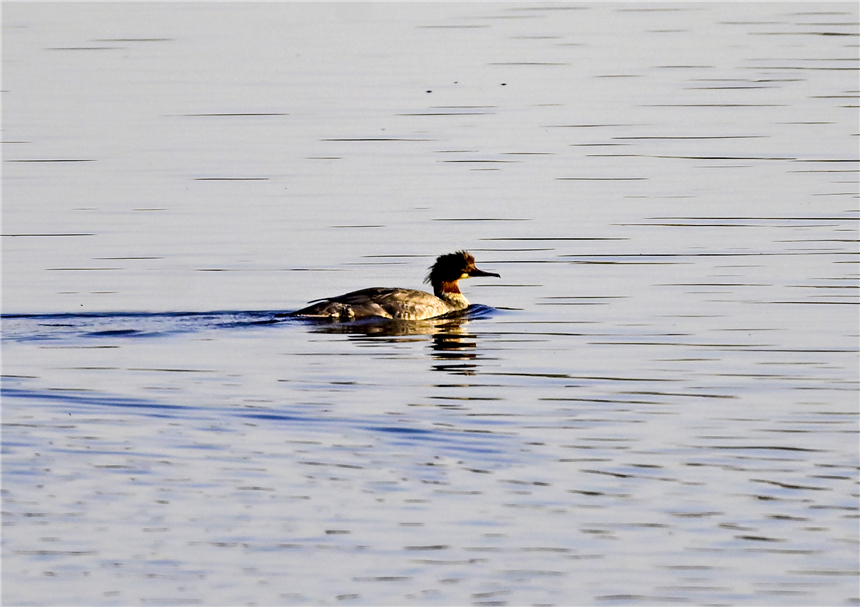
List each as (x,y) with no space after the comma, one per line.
(402,304)
(383,302)
(341,307)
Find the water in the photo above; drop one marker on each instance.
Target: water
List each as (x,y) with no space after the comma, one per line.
(656,403)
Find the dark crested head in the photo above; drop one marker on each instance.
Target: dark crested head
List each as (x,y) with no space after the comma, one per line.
(452,267)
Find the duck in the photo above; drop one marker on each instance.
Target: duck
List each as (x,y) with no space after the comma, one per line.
(403,304)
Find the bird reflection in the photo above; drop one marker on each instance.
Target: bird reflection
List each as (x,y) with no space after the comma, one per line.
(453,347)
(456,351)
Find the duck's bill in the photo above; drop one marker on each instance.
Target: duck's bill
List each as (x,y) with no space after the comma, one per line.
(477,272)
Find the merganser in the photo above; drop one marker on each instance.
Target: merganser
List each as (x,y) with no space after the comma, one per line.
(404,304)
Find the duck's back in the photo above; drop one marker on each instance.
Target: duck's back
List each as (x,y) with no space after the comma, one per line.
(402,304)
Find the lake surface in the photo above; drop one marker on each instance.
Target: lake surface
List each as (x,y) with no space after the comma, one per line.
(656,403)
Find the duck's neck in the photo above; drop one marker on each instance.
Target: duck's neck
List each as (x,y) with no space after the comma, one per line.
(450,293)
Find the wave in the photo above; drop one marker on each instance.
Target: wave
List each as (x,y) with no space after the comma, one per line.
(95,325)
(33,327)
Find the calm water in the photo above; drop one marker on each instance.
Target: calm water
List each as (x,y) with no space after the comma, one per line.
(657,403)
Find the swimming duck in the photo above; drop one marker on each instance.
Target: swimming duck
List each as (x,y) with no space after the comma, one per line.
(404,304)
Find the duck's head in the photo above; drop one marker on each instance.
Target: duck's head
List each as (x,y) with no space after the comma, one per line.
(452,267)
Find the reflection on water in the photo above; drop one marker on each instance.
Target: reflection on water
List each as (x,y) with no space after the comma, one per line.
(457,351)
(451,344)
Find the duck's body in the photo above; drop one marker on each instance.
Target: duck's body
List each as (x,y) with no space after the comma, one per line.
(404,304)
